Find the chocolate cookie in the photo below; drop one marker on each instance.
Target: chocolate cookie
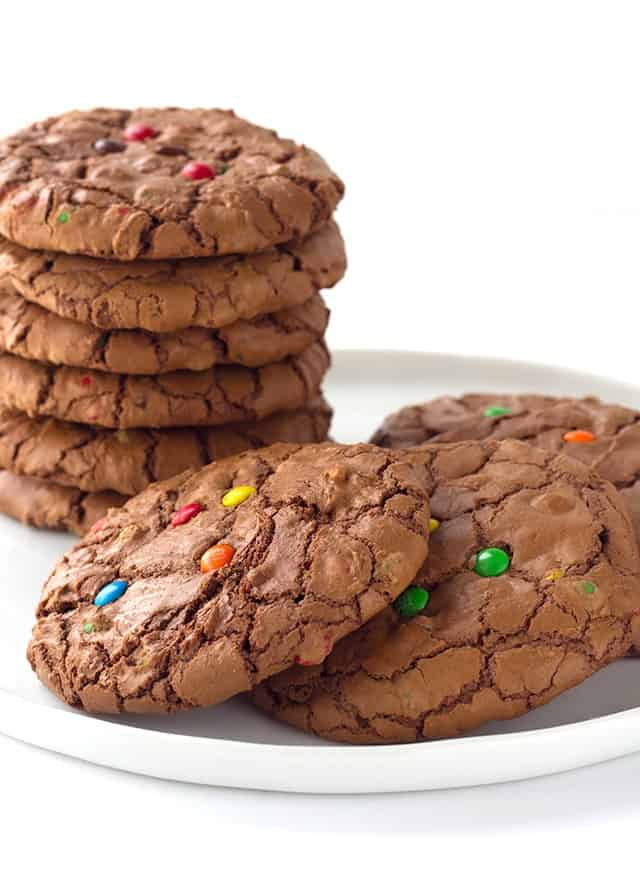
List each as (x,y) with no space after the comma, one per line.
(127,461)
(534,584)
(32,332)
(204,585)
(171,296)
(222,395)
(46,505)
(605,437)
(159,183)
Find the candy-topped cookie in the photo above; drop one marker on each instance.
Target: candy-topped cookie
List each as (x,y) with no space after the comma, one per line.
(531,585)
(31,332)
(205,584)
(159,183)
(605,437)
(166,296)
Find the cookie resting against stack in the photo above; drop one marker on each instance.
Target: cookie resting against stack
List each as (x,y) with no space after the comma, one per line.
(532,584)
(159,302)
(606,437)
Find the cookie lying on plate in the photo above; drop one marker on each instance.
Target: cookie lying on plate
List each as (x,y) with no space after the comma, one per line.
(605,437)
(127,461)
(205,584)
(532,583)
(163,296)
(159,183)
(221,395)
(34,333)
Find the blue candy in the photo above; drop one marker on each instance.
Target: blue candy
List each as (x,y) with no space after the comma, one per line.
(110,592)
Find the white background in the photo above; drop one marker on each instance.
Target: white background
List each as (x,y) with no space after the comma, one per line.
(492,158)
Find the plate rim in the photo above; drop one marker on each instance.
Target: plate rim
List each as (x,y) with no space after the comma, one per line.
(588,743)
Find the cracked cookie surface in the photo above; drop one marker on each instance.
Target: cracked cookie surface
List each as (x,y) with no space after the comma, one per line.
(484,648)
(189,183)
(221,395)
(163,296)
(48,506)
(31,332)
(127,461)
(331,535)
(613,450)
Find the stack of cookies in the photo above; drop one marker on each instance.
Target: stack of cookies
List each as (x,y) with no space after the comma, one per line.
(159,302)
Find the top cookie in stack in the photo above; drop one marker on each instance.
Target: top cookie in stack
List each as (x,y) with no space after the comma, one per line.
(159,302)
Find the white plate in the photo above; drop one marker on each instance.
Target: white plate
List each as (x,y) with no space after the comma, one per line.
(233,745)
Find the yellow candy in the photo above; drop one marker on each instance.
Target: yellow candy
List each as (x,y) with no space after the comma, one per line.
(237,495)
(434,523)
(553,575)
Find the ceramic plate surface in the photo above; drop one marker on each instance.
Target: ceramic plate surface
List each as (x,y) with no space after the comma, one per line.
(234,745)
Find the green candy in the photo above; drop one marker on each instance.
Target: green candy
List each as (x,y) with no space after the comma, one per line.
(492,562)
(88,628)
(63,217)
(412,601)
(588,587)
(497,410)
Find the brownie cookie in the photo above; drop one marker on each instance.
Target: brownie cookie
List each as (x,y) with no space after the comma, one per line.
(532,584)
(605,437)
(127,461)
(32,332)
(205,584)
(48,506)
(159,183)
(170,296)
(226,394)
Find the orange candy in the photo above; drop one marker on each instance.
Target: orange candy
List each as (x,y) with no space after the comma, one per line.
(216,557)
(580,436)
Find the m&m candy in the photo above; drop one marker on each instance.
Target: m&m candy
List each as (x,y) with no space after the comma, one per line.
(139,132)
(198,171)
(579,436)
(108,145)
(237,495)
(186,513)
(492,562)
(434,523)
(110,592)
(412,601)
(216,557)
(497,410)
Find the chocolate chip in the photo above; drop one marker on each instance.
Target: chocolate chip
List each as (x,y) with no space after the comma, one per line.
(109,145)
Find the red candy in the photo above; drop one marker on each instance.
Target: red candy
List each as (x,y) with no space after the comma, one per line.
(304,663)
(198,171)
(139,132)
(184,514)
(86,381)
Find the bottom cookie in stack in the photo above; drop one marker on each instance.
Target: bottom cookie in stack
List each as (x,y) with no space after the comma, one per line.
(50,506)
(65,476)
